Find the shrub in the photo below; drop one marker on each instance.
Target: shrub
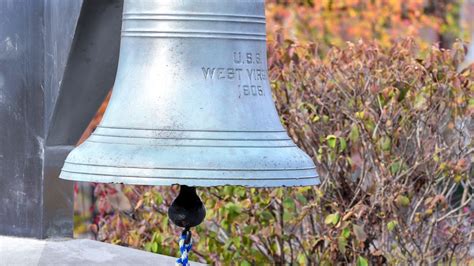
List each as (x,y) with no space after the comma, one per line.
(389,132)
(332,23)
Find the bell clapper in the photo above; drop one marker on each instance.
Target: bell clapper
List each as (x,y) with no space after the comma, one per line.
(186,211)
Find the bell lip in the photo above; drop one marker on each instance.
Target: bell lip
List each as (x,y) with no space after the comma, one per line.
(191,166)
(194,182)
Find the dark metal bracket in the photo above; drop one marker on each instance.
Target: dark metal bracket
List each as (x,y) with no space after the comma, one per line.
(90,70)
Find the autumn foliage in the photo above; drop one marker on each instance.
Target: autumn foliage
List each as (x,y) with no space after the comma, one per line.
(333,22)
(389,133)
(388,124)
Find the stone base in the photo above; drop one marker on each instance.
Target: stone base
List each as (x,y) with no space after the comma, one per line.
(26,251)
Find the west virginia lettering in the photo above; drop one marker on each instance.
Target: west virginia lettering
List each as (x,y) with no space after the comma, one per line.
(231,73)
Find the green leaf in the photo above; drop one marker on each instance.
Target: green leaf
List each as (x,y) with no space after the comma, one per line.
(287,216)
(471,103)
(316,118)
(420,101)
(228,243)
(346,232)
(354,135)
(360,115)
(247,203)
(341,244)
(228,190)
(325,118)
(301,259)
(266,215)
(391,225)
(154,237)
(237,242)
(458,178)
(158,199)
(395,167)
(361,261)
(332,218)
(386,144)
(154,247)
(232,211)
(164,223)
(402,201)
(248,229)
(331,140)
(289,203)
(241,192)
(148,246)
(342,144)
(301,198)
(370,125)
(233,208)
(245,263)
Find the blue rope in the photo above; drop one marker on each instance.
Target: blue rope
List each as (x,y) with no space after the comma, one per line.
(185,245)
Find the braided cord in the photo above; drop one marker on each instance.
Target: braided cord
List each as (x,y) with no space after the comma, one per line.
(185,245)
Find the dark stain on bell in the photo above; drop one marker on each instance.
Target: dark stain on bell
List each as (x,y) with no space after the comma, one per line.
(187,209)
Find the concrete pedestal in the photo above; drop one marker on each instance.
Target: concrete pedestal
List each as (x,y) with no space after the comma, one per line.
(25,251)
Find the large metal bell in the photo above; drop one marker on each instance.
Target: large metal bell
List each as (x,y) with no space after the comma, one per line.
(191,103)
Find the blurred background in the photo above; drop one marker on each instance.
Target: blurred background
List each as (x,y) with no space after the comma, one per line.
(135,216)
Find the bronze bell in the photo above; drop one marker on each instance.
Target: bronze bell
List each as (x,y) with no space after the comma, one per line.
(191,106)
(191,103)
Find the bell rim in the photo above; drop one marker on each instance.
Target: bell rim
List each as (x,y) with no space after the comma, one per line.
(193,166)
(301,181)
